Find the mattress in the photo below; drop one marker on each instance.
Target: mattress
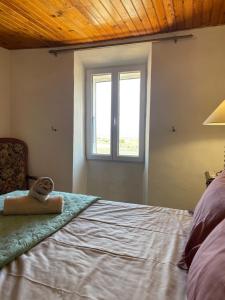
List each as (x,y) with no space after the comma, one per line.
(111,251)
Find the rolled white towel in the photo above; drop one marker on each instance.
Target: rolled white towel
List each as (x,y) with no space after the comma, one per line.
(41,188)
(26,205)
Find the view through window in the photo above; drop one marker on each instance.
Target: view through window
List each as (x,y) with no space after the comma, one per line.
(129,112)
(102,114)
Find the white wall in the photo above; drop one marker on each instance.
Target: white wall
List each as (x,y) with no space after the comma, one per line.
(116,181)
(5,68)
(147,130)
(79,158)
(188,82)
(42,96)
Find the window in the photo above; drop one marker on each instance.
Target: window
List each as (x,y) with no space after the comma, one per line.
(116,113)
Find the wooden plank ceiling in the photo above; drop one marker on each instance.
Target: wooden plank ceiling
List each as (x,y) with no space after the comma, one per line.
(45,23)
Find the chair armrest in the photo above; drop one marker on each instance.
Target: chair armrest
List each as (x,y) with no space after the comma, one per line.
(29,177)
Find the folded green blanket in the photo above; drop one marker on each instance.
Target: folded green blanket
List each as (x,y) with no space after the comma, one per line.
(18,234)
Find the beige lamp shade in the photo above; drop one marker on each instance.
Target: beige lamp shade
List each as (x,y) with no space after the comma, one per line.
(217,117)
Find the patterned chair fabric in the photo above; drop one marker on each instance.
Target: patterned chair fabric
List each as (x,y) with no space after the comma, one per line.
(13,165)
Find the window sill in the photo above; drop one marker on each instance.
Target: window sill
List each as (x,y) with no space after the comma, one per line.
(116,160)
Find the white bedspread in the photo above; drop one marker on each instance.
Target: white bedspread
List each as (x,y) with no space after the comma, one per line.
(112,251)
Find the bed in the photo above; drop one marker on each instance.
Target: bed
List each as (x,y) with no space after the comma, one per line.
(111,251)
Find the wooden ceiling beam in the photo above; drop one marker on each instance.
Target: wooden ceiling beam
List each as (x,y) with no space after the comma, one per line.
(41,23)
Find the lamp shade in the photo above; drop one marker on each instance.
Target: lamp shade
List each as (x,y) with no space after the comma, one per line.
(217,117)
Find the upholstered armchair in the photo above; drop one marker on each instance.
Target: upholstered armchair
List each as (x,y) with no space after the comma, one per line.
(13,165)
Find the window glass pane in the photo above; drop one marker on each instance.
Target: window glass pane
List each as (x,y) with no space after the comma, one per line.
(129,113)
(102,114)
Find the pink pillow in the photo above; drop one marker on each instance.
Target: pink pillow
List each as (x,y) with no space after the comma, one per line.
(209,212)
(206,277)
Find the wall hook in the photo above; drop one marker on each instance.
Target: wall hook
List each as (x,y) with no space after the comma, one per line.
(54,129)
(173,129)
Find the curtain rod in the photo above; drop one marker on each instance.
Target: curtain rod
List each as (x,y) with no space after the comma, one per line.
(121,41)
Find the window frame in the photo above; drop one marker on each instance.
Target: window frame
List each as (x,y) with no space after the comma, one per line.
(114,145)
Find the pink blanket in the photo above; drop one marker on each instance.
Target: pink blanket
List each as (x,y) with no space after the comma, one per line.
(111,251)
